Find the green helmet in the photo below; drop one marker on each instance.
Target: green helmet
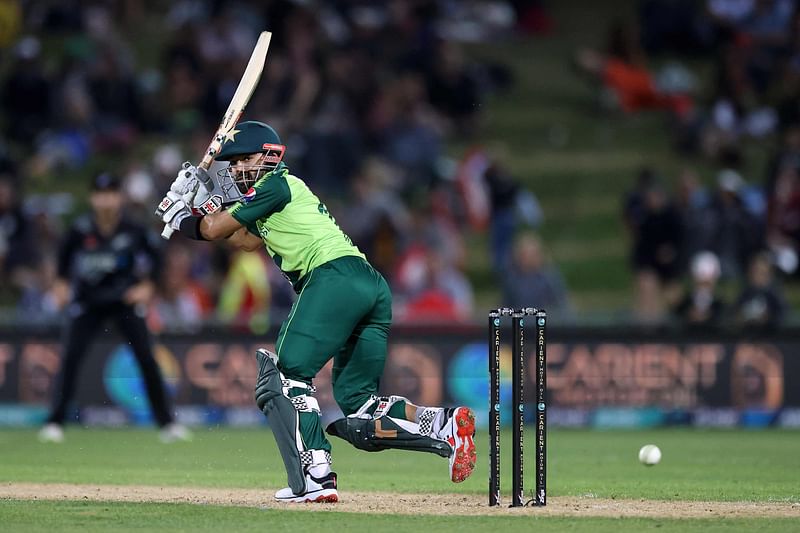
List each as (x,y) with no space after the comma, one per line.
(251,137)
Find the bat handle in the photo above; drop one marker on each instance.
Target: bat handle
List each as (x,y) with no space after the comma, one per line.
(167,232)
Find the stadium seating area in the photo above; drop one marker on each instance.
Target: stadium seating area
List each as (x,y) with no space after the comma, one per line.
(458,144)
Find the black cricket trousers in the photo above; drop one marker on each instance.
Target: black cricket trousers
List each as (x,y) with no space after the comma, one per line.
(78,334)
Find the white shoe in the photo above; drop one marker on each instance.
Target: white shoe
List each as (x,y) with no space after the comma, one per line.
(51,432)
(459,431)
(173,432)
(319,490)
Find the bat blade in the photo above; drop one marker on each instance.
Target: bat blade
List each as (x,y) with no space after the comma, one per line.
(247,85)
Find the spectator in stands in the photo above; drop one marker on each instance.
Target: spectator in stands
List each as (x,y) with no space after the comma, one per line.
(245,294)
(333,143)
(408,131)
(180,303)
(18,253)
(628,83)
(760,304)
(453,89)
(512,205)
(656,253)
(736,232)
(66,142)
(443,293)
(767,30)
(692,202)
(532,281)
(634,208)
(737,111)
(37,303)
(785,156)
(27,93)
(113,91)
(701,307)
(377,219)
(783,221)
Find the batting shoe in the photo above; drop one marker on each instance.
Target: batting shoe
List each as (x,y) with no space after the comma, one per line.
(459,431)
(173,432)
(318,490)
(51,433)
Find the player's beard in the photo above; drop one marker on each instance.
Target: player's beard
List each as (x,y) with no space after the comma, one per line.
(246,177)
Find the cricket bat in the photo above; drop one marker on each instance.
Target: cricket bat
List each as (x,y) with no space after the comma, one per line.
(241,97)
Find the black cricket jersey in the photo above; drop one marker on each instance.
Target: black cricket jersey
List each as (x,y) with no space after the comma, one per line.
(101,268)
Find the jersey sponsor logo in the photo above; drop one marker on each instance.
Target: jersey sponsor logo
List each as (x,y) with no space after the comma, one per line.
(249,195)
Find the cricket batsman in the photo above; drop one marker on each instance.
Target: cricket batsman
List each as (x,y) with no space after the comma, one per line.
(343,311)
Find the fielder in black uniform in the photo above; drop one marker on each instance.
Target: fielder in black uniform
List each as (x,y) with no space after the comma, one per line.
(106,267)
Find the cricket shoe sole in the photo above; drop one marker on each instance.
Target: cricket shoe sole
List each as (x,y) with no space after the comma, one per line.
(460,431)
(323,496)
(320,490)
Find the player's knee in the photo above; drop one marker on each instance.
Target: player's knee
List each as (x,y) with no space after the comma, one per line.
(294,367)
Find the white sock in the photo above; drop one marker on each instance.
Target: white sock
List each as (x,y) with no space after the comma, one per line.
(438,420)
(319,471)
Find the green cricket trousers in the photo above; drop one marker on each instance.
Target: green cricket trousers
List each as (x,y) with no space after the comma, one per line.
(343,311)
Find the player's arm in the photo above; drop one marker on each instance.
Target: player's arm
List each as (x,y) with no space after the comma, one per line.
(61,292)
(144,290)
(243,239)
(268,196)
(211,227)
(219,225)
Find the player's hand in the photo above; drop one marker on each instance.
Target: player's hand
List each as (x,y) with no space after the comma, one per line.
(205,203)
(174,208)
(186,180)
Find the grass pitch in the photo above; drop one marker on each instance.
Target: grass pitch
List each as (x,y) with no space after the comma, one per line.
(698,466)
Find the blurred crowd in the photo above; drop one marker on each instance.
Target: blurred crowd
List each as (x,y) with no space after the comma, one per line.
(364,94)
(689,244)
(714,254)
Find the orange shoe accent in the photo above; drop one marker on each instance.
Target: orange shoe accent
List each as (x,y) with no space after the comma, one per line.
(466,455)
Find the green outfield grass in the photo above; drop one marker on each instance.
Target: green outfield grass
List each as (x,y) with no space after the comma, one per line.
(757,466)
(83,516)
(697,465)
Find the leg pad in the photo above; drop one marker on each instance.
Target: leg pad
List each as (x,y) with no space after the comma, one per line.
(384,433)
(283,419)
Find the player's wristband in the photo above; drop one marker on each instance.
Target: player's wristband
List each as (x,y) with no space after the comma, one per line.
(190,226)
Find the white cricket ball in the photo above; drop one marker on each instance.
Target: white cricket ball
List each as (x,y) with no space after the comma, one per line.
(649,455)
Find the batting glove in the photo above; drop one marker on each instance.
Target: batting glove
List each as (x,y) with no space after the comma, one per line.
(205,203)
(174,208)
(186,180)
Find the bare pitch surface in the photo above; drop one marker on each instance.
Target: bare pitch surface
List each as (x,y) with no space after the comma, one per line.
(401,503)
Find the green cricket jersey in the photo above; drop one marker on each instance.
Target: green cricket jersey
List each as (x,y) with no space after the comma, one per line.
(294,224)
